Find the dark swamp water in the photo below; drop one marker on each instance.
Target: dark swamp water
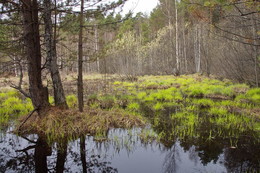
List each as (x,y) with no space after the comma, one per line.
(186,142)
(126,152)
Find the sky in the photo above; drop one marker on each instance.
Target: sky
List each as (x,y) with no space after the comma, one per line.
(144,6)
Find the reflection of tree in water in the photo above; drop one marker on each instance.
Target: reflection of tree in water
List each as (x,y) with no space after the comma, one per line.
(171,160)
(20,155)
(12,161)
(208,141)
(38,156)
(243,158)
(93,165)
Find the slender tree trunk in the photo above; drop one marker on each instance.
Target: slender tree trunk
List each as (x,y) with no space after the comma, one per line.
(255,50)
(199,49)
(59,96)
(38,93)
(197,45)
(185,51)
(177,40)
(208,58)
(80,55)
(96,47)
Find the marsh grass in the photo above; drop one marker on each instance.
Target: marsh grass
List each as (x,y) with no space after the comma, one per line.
(59,124)
(187,102)
(200,107)
(13,105)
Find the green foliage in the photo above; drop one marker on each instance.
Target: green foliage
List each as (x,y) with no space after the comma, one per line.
(158,106)
(51,100)
(145,32)
(72,101)
(70,23)
(107,101)
(218,111)
(203,103)
(12,106)
(133,106)
(141,95)
(195,91)
(254,95)
(127,26)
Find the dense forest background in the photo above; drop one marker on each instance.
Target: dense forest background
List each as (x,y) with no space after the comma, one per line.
(219,37)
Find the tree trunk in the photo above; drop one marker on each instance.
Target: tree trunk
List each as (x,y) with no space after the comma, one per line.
(38,93)
(255,50)
(80,55)
(96,47)
(59,96)
(177,40)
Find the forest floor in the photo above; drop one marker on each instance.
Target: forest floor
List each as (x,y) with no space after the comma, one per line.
(124,102)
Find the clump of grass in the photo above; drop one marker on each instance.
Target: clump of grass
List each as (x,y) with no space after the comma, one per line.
(251,96)
(203,103)
(59,124)
(218,90)
(92,99)
(133,106)
(239,88)
(117,83)
(72,101)
(158,106)
(218,111)
(12,106)
(107,101)
(51,100)
(254,95)
(141,95)
(123,100)
(195,91)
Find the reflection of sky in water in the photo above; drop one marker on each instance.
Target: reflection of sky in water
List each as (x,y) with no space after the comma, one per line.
(123,152)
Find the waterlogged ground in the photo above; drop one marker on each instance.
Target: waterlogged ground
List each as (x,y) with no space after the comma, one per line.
(194,124)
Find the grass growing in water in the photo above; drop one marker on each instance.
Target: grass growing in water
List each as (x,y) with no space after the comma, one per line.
(59,124)
(190,97)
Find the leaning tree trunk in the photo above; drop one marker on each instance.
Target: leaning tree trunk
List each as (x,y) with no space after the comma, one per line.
(59,96)
(38,93)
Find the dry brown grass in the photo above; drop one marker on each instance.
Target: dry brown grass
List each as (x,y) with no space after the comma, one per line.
(59,124)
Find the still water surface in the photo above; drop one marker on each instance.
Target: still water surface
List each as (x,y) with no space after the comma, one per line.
(123,152)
